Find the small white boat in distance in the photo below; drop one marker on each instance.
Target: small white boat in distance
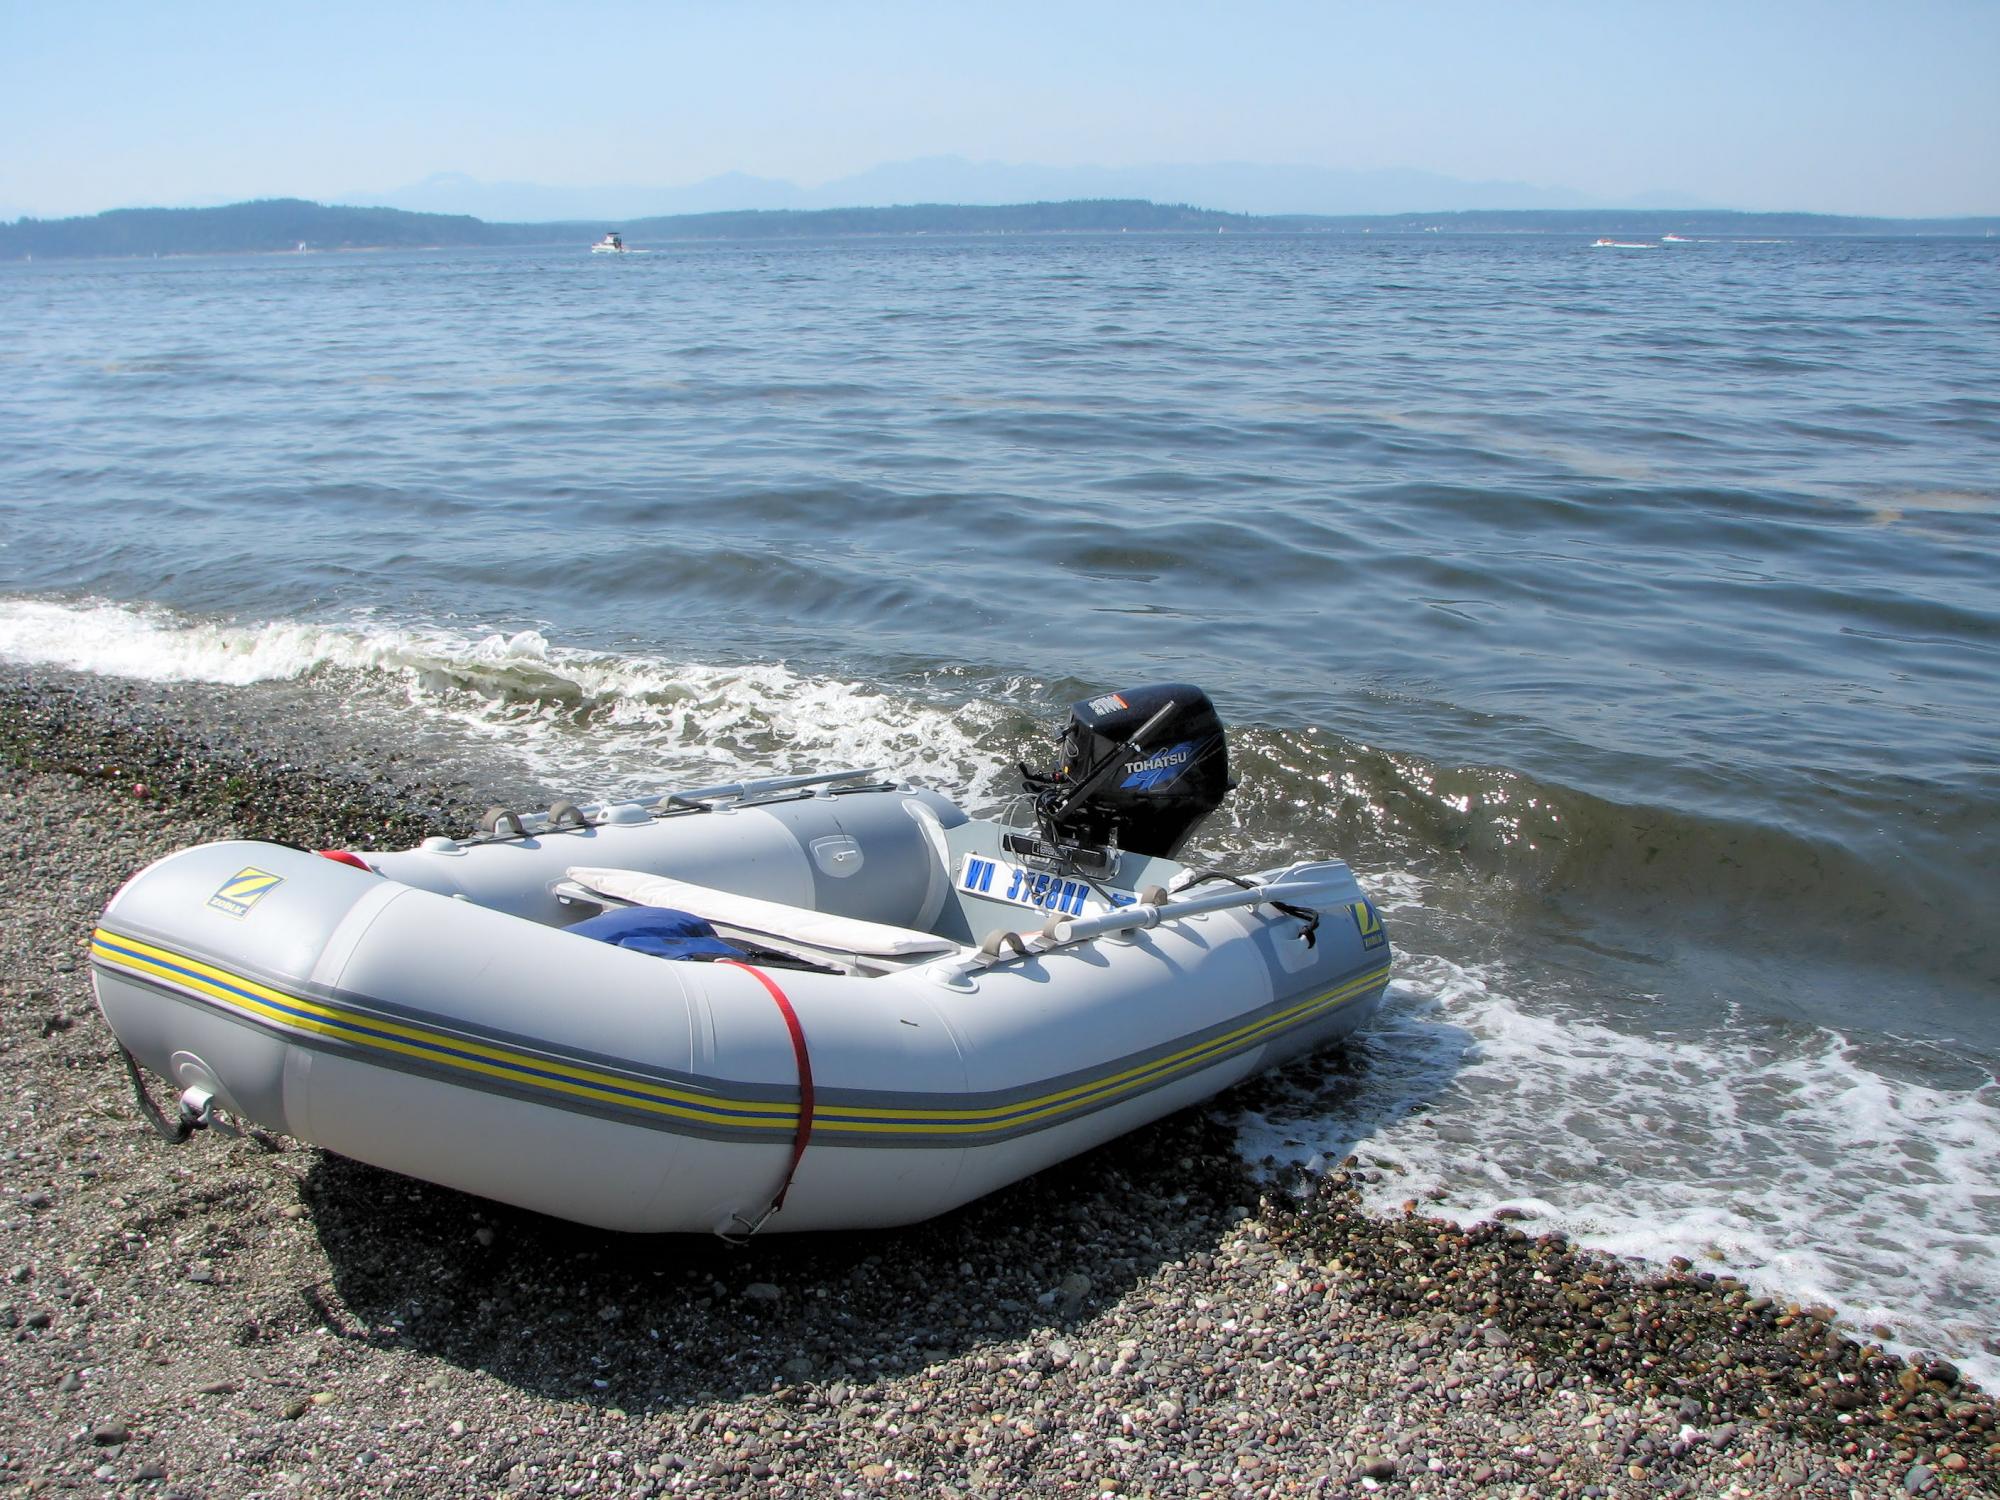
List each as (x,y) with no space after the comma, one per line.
(609,245)
(1675,239)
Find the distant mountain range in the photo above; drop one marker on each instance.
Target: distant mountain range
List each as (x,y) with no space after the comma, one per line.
(1232,187)
(283,224)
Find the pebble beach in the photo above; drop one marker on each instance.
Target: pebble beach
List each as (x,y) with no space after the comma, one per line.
(252,1316)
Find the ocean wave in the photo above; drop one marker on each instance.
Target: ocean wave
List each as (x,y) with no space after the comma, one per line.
(1755,884)
(594,722)
(591,723)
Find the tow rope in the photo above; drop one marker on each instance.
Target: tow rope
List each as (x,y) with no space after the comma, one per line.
(1309,933)
(177,1130)
(804,1132)
(189,1118)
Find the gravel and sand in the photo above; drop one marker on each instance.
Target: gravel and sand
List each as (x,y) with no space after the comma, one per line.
(243,1317)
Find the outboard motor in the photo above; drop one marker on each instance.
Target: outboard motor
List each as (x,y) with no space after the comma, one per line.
(1140,769)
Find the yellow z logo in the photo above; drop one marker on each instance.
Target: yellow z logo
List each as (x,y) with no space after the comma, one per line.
(1368,924)
(244,890)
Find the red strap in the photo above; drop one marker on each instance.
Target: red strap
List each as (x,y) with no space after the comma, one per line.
(805,1074)
(341,856)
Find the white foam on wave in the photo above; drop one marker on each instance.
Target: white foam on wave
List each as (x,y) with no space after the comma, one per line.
(1776,1157)
(151,645)
(595,724)
(639,717)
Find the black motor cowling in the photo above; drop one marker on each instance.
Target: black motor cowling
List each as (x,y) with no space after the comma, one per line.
(1140,769)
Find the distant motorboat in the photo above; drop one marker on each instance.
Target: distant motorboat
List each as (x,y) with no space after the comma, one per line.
(609,245)
(1609,244)
(1675,239)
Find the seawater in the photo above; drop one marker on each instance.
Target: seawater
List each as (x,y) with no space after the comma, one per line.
(1630,618)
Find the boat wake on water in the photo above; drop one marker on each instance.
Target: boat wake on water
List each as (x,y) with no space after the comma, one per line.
(1595,1021)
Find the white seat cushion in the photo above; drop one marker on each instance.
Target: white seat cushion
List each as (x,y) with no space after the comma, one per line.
(750,914)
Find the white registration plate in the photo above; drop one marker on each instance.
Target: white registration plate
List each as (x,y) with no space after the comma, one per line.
(1059,895)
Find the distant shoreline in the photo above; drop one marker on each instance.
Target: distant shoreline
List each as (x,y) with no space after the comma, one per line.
(286,226)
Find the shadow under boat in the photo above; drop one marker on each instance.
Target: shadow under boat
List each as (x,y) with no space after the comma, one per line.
(650,1323)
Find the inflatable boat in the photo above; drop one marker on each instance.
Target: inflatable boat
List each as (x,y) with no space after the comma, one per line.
(805,1002)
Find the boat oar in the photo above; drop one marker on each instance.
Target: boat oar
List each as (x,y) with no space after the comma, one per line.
(1308,889)
(738,790)
(1315,887)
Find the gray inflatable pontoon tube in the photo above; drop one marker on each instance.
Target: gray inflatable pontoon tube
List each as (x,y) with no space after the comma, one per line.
(920,1013)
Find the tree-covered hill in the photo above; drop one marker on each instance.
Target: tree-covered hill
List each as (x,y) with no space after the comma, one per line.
(269,224)
(286,223)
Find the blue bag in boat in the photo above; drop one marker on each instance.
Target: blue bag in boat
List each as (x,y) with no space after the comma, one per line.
(658,931)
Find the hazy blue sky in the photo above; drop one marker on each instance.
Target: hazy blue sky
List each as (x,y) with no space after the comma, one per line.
(1890,108)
